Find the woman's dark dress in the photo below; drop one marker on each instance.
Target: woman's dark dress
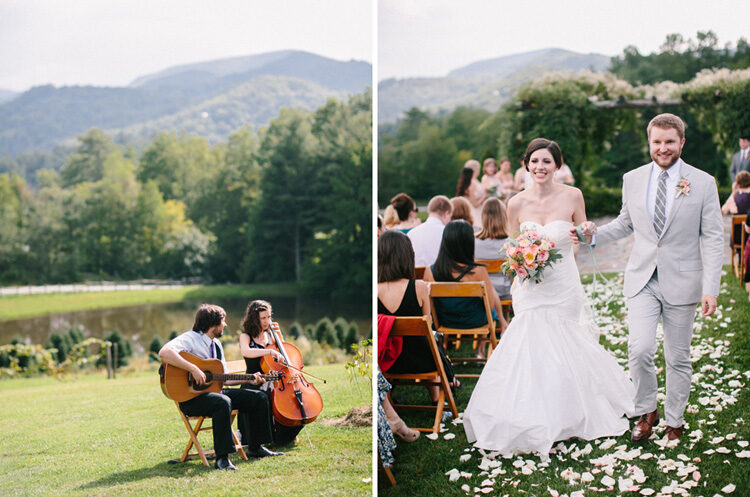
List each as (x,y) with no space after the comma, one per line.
(282,435)
(415,355)
(462,312)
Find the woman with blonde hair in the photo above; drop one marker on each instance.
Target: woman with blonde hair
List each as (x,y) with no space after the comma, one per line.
(390,217)
(489,242)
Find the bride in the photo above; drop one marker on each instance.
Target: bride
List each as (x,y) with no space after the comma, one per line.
(549,379)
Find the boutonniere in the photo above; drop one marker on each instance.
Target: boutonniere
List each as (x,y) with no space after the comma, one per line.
(683,187)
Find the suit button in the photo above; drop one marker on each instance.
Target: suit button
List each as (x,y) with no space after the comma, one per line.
(658,245)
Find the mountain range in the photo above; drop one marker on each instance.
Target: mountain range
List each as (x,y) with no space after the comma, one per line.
(210,99)
(486,84)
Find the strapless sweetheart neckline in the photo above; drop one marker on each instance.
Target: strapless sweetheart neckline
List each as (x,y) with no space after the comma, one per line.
(543,225)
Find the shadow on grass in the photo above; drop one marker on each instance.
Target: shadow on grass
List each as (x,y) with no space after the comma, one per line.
(179,470)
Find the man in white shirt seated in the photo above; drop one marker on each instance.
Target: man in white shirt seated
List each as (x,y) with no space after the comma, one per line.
(202,341)
(426,237)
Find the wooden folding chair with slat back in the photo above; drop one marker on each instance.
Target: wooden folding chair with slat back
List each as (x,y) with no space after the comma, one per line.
(493,267)
(738,246)
(416,327)
(194,430)
(474,289)
(419,272)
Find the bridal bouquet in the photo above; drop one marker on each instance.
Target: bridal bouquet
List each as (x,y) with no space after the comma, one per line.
(528,254)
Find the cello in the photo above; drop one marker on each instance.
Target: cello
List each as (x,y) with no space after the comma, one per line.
(294,399)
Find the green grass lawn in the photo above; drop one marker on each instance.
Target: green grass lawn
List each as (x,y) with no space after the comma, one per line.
(716,430)
(26,306)
(89,436)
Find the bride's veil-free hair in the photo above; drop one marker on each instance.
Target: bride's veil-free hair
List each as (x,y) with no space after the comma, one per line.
(456,250)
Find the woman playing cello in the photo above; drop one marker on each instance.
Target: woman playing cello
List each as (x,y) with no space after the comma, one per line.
(256,343)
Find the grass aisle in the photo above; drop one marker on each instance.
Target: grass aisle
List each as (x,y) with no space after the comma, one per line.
(89,436)
(711,459)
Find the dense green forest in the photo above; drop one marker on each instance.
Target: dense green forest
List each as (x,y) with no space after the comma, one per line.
(290,202)
(422,154)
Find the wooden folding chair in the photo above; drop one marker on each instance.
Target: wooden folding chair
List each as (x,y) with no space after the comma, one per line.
(738,246)
(388,474)
(194,430)
(419,272)
(473,289)
(493,267)
(416,327)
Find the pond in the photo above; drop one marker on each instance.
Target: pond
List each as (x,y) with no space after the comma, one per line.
(142,323)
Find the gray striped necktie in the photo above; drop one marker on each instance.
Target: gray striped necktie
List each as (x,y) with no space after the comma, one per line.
(660,208)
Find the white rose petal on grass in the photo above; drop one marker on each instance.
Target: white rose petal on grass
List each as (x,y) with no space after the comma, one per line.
(608,481)
(607,444)
(648,491)
(453,475)
(729,488)
(723,450)
(742,443)
(466,488)
(432,436)
(450,436)
(743,454)
(464,457)
(587,477)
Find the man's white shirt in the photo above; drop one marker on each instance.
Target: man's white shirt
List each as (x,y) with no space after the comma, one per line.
(673,176)
(426,239)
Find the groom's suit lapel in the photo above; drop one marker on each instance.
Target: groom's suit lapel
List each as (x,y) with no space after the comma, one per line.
(641,198)
(679,200)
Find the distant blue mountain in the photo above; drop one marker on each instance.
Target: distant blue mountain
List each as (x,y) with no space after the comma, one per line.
(6,95)
(44,116)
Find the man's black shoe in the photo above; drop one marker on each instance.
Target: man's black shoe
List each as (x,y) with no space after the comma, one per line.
(224,463)
(263,452)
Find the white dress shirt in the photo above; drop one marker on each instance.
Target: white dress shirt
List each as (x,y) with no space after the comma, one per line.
(426,239)
(198,344)
(653,186)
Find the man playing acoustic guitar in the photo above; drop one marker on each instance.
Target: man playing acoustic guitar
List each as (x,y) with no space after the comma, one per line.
(202,341)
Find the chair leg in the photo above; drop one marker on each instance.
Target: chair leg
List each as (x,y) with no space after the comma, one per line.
(193,432)
(439,412)
(390,477)
(237,444)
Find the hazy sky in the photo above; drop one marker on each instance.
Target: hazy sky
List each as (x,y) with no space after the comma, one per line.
(432,37)
(111,42)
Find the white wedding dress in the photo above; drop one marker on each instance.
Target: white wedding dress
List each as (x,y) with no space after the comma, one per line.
(548,379)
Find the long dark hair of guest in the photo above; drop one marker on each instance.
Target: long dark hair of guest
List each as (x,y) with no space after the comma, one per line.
(456,250)
(395,257)
(251,321)
(464,181)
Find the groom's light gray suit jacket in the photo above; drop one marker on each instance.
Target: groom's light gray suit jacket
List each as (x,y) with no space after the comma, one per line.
(688,254)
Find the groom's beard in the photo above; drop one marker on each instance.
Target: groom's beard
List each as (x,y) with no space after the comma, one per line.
(666,162)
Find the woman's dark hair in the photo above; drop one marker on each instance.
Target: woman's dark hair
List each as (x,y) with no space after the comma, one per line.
(540,143)
(251,321)
(395,257)
(464,181)
(404,205)
(208,316)
(456,250)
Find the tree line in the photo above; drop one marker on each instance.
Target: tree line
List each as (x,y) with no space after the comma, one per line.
(422,154)
(290,202)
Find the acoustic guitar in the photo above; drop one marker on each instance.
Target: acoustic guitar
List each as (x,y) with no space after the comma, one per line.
(179,385)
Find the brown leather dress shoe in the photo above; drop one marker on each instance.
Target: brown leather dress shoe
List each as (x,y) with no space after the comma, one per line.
(673,433)
(643,427)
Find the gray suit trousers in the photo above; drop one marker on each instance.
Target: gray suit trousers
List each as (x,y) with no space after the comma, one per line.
(644,310)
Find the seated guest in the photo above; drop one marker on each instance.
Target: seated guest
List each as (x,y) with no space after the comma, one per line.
(564,175)
(747,254)
(739,201)
(385,410)
(407,210)
(255,341)
(490,241)
(520,177)
(490,178)
(455,262)
(426,237)
(399,294)
(390,217)
(202,341)
(461,210)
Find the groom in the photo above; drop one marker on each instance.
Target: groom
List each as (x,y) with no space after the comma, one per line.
(673,209)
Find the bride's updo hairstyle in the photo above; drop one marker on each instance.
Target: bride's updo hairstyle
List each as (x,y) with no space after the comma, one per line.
(395,257)
(456,250)
(540,143)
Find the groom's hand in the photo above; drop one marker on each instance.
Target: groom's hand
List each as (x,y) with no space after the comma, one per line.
(588,228)
(708,305)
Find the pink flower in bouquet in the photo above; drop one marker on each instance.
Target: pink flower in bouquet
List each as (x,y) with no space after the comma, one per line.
(543,255)
(514,266)
(524,242)
(545,245)
(534,235)
(522,273)
(529,254)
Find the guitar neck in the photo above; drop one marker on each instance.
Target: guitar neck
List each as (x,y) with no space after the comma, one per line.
(239,376)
